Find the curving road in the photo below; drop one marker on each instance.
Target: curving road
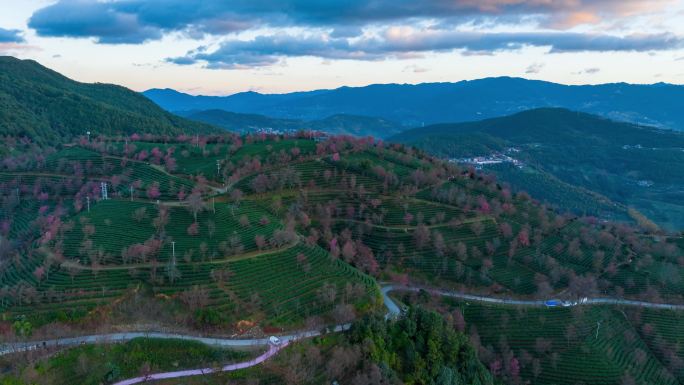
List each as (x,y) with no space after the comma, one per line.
(272,351)
(393,311)
(126,336)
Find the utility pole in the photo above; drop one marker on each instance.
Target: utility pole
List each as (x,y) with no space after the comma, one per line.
(103,188)
(130,188)
(88,202)
(218,170)
(173,249)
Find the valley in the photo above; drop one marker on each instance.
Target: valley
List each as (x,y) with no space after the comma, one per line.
(374,235)
(574,161)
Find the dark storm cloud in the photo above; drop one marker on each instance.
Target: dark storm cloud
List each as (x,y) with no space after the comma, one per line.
(136,21)
(398,42)
(10,36)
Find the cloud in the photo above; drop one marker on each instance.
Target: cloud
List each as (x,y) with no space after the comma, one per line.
(267,50)
(81,18)
(137,21)
(10,36)
(424,40)
(415,69)
(534,68)
(588,71)
(397,42)
(346,31)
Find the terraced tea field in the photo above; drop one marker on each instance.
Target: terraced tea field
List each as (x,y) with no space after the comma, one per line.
(280,288)
(299,234)
(592,345)
(112,226)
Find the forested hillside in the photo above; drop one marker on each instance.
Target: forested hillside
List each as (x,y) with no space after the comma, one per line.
(47,107)
(340,124)
(632,165)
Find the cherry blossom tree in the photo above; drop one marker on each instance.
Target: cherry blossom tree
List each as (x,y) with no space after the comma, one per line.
(193,229)
(153,191)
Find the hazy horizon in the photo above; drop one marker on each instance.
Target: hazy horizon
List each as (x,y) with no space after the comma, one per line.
(220,48)
(412,84)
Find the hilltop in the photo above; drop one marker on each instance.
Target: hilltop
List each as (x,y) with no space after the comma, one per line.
(430,103)
(50,108)
(243,236)
(574,160)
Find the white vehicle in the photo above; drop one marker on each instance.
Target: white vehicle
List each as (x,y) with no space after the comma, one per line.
(273,340)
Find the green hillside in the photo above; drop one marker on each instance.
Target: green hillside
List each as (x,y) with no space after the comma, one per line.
(254,235)
(50,108)
(338,124)
(234,121)
(597,345)
(634,166)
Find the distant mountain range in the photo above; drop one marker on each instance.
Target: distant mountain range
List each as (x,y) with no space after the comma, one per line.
(428,103)
(340,124)
(50,108)
(574,160)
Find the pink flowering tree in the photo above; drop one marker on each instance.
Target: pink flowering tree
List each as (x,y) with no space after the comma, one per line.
(153,191)
(193,229)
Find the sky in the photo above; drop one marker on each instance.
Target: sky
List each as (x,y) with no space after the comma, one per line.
(220,47)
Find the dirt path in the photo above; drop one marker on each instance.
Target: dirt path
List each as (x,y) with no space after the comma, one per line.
(272,351)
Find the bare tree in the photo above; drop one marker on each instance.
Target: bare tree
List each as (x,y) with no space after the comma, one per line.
(421,236)
(196,297)
(195,203)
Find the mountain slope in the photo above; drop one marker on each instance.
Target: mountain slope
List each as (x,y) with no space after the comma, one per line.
(240,122)
(429,103)
(48,107)
(340,124)
(633,165)
(300,241)
(249,101)
(355,125)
